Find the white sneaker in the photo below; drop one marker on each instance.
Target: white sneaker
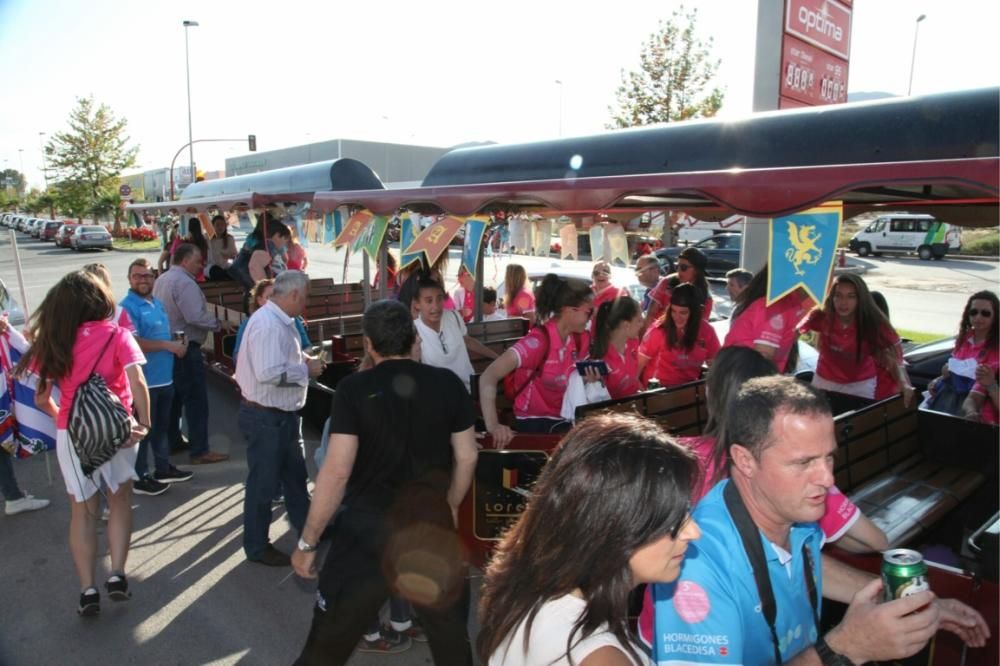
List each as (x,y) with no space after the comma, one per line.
(26,503)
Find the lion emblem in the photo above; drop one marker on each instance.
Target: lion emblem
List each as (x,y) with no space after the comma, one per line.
(803,250)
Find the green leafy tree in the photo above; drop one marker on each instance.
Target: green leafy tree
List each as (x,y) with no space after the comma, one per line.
(674,77)
(91,155)
(13,182)
(47,201)
(107,204)
(72,198)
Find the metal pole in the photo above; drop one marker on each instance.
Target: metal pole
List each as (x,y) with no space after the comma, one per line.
(187,69)
(45,169)
(913,58)
(20,276)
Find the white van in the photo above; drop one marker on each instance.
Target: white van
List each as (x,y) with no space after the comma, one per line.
(906,232)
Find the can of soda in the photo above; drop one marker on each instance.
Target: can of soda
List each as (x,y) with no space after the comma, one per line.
(904,573)
(179,336)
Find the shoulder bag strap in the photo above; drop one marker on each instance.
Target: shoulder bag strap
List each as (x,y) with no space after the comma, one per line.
(101,355)
(811,583)
(754,549)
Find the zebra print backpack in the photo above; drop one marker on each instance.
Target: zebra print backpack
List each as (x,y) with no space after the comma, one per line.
(98,422)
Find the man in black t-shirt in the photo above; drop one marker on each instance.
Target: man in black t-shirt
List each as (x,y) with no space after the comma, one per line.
(401,456)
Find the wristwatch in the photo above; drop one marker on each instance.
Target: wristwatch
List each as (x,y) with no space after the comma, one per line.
(828,657)
(304,547)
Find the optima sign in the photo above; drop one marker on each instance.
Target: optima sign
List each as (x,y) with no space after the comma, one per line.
(825,24)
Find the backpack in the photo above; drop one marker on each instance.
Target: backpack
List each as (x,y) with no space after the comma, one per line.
(98,422)
(511,388)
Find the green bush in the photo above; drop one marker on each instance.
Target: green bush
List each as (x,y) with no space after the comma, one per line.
(984,247)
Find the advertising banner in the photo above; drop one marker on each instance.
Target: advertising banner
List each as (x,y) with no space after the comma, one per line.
(500,489)
(802,249)
(811,76)
(826,24)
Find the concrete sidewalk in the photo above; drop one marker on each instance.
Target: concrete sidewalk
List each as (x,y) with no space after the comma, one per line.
(196,600)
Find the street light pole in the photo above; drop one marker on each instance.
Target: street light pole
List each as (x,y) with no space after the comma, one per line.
(45,170)
(913,59)
(187,69)
(560,84)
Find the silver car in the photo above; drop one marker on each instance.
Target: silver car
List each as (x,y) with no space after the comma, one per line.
(90,237)
(9,306)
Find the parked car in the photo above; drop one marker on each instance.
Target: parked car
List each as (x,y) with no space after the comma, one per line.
(65,232)
(924,362)
(21,222)
(35,231)
(90,237)
(15,316)
(49,230)
(905,232)
(721,250)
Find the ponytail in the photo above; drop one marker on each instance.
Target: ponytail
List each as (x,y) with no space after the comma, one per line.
(609,316)
(555,293)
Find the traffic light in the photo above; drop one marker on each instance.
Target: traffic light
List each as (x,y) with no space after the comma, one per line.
(252,139)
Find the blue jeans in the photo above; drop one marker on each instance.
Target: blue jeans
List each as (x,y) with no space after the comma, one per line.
(8,484)
(274,460)
(161,400)
(191,393)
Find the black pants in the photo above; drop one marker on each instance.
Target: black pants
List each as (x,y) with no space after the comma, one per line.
(371,555)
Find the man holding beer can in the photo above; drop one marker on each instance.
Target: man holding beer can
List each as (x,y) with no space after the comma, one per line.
(752,590)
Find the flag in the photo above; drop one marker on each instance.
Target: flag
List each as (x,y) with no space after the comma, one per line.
(474,230)
(32,431)
(407,234)
(802,249)
(433,241)
(354,228)
(371,240)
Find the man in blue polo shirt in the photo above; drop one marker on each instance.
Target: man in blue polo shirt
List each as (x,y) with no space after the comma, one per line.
(152,332)
(750,589)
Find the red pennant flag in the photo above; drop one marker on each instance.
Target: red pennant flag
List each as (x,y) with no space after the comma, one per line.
(434,240)
(354,228)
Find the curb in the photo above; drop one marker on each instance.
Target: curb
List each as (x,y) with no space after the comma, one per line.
(122,249)
(971,257)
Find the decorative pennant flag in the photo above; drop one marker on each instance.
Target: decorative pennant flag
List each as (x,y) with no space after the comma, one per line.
(568,240)
(371,240)
(408,229)
(474,230)
(433,241)
(802,248)
(354,228)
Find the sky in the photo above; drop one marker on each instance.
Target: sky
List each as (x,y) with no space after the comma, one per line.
(436,73)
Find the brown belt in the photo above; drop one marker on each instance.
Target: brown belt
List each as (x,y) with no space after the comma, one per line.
(250,403)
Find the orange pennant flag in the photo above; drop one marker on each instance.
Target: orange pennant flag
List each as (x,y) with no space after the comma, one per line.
(434,240)
(354,228)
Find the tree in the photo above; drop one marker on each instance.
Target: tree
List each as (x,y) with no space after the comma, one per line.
(13,182)
(72,198)
(675,69)
(91,156)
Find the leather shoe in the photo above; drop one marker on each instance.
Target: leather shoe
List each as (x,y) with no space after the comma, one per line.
(272,557)
(209,458)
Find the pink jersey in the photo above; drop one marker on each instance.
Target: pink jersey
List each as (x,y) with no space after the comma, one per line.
(769,325)
(467,301)
(523,301)
(660,294)
(886,384)
(623,370)
(703,446)
(969,348)
(607,294)
(123,351)
(543,395)
(839,361)
(676,365)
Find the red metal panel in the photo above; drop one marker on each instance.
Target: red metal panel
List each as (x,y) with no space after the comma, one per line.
(810,75)
(825,24)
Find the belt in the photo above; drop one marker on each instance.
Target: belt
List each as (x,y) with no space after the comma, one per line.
(250,403)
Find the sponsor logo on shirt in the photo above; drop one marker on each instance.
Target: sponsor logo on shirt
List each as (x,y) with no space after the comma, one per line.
(699,644)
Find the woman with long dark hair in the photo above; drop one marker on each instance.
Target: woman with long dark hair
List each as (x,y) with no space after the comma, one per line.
(221,249)
(770,329)
(855,339)
(541,362)
(975,361)
(691,265)
(608,512)
(73,337)
(675,350)
(616,342)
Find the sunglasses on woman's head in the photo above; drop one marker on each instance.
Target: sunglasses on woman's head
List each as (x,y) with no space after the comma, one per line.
(980,313)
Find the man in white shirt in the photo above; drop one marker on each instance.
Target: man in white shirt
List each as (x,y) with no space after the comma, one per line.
(444,339)
(273,374)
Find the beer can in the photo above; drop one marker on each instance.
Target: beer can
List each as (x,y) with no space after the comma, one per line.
(904,573)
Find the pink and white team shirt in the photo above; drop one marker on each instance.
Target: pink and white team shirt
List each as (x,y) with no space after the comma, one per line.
(609,293)
(676,365)
(623,370)
(984,355)
(770,325)
(122,352)
(465,303)
(543,395)
(661,294)
(524,301)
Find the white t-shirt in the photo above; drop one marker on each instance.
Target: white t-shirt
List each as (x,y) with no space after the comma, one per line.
(447,348)
(549,633)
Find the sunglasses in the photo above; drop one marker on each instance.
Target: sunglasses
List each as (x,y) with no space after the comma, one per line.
(142,276)
(596,273)
(645,268)
(980,313)
(683,267)
(444,347)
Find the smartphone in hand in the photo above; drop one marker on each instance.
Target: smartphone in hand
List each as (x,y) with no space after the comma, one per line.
(600,366)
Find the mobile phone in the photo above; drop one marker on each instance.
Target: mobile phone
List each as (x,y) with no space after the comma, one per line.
(600,366)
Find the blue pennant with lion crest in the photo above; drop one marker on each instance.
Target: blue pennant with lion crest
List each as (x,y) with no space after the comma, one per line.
(802,250)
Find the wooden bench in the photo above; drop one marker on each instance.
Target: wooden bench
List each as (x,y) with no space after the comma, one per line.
(501,329)
(889,462)
(680,409)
